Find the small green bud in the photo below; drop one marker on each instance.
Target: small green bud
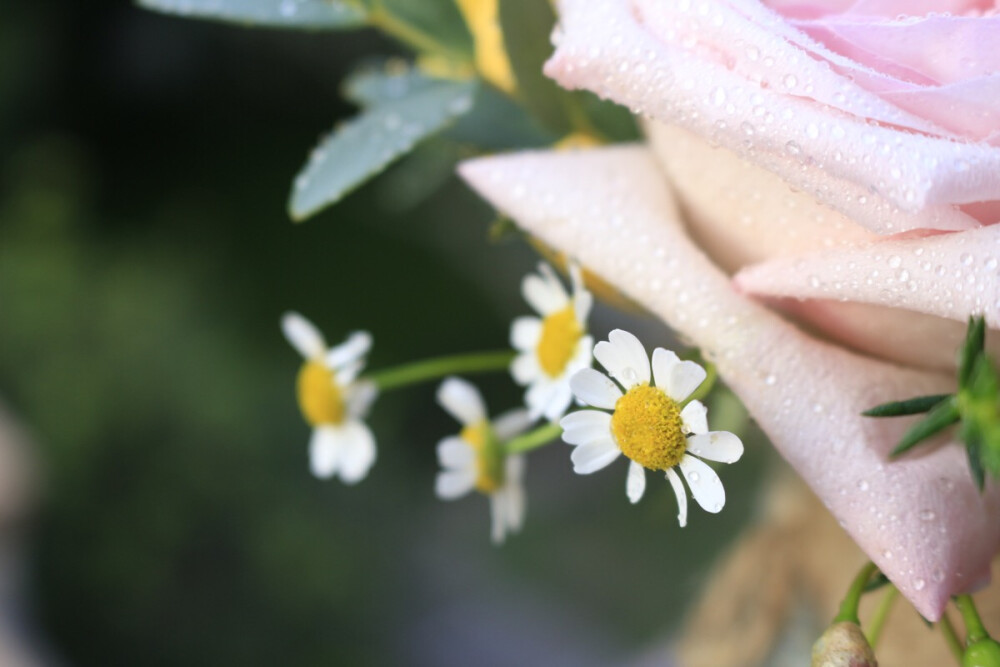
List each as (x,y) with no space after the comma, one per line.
(843,645)
(982,653)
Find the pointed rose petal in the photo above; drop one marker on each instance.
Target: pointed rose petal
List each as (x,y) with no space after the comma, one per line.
(948,275)
(642,67)
(610,209)
(635,484)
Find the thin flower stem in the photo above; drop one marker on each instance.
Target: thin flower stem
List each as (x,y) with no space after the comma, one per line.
(881,616)
(974,629)
(849,607)
(533,439)
(951,637)
(438,367)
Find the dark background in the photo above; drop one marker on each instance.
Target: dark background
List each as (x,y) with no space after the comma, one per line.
(145,259)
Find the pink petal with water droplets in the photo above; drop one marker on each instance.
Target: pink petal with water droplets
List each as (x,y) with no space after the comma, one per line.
(807,395)
(603,47)
(949,275)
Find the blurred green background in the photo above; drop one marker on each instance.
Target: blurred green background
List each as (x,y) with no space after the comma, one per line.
(145,259)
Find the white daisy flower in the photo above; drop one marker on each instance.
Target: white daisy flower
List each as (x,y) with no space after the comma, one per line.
(647,423)
(554,346)
(474,459)
(333,401)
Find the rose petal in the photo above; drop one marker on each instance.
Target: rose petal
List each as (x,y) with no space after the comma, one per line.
(807,395)
(652,76)
(948,275)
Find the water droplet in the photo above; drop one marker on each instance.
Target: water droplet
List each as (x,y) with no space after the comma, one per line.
(790,81)
(862,486)
(887,554)
(895,261)
(966,259)
(937,576)
(770,380)
(693,476)
(792,148)
(927,515)
(919,585)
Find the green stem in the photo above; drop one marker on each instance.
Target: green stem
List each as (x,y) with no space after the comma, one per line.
(418,40)
(533,439)
(881,616)
(974,629)
(431,369)
(849,607)
(951,637)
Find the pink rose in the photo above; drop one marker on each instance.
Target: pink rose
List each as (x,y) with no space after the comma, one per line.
(829,151)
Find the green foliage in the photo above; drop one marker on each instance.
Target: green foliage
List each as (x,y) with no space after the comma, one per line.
(309,14)
(430,26)
(367,144)
(976,407)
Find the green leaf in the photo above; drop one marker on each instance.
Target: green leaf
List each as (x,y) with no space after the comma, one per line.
(911,406)
(367,144)
(389,82)
(527,25)
(943,414)
(975,464)
(309,14)
(612,121)
(497,123)
(975,338)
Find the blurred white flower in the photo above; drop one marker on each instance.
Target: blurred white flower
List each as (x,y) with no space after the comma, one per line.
(333,401)
(474,459)
(647,423)
(554,346)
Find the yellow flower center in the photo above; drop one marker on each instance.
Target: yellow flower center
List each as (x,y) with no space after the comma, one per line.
(320,398)
(489,458)
(647,427)
(557,344)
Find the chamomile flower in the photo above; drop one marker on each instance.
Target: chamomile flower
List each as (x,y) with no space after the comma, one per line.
(647,422)
(333,401)
(554,346)
(474,459)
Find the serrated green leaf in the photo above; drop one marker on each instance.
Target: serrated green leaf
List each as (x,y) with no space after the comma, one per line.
(307,14)
(972,349)
(527,25)
(911,406)
(943,414)
(368,143)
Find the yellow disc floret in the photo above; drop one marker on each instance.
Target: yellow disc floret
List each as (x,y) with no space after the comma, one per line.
(489,458)
(647,427)
(320,398)
(557,344)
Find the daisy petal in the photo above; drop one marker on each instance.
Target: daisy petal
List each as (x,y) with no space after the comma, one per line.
(635,485)
(451,484)
(682,501)
(594,456)
(455,454)
(612,358)
(462,401)
(511,423)
(719,446)
(324,451)
(595,388)
(303,335)
(684,379)
(351,350)
(524,369)
(694,418)
(706,487)
(525,333)
(538,396)
(542,295)
(663,367)
(360,397)
(357,452)
(582,303)
(559,402)
(585,426)
(634,355)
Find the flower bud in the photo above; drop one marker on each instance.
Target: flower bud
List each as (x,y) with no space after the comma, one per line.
(983,653)
(843,645)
